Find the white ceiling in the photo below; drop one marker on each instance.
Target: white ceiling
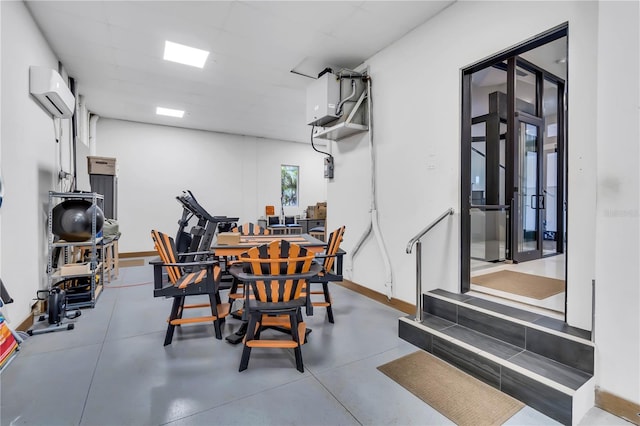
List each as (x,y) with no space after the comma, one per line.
(114,51)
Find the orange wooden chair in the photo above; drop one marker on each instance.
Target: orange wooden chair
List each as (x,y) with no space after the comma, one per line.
(327,275)
(275,274)
(202,277)
(250,229)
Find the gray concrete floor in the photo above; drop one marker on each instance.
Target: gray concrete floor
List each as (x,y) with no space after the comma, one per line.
(112,369)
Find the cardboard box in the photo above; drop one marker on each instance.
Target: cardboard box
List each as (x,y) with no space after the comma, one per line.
(101,165)
(229,238)
(311,212)
(321,212)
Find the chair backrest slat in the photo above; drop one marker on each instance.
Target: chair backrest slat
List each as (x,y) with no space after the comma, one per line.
(166,248)
(277,260)
(333,245)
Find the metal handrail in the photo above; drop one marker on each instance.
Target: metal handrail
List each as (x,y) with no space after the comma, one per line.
(427,229)
(416,240)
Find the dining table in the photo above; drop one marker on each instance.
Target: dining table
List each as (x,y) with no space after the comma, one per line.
(310,243)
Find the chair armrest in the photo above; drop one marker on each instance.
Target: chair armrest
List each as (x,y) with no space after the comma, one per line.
(181,264)
(340,253)
(193,253)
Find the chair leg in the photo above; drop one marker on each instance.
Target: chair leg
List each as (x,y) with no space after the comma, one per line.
(233,289)
(175,309)
(246,351)
(309,304)
(214,312)
(327,298)
(181,307)
(293,319)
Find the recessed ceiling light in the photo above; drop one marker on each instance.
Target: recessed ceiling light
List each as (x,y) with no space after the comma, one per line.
(184,54)
(169,112)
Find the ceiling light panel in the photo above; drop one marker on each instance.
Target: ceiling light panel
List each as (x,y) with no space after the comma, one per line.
(186,55)
(169,112)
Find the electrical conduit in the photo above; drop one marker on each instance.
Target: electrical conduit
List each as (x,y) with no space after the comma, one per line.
(374,224)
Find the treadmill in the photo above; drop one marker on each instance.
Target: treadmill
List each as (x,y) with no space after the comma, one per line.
(198,239)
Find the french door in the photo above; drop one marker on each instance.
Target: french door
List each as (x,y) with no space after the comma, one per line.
(513,164)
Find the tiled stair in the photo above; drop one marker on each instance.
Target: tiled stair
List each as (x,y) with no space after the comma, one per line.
(536,359)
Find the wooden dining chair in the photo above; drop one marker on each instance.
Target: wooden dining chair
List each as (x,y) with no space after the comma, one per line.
(275,274)
(250,229)
(202,278)
(275,225)
(328,274)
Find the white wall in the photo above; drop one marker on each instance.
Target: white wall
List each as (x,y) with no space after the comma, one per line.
(416,92)
(617,329)
(230,175)
(30,160)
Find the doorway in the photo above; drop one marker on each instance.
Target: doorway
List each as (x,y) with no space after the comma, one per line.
(513,161)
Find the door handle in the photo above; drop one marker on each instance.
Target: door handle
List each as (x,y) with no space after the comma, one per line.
(537,201)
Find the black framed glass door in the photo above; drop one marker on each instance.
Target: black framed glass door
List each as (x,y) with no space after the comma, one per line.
(528,199)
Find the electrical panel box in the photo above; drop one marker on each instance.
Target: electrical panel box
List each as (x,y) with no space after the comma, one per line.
(323,96)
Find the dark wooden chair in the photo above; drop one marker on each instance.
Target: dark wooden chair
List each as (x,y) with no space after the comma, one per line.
(275,226)
(275,274)
(201,278)
(328,274)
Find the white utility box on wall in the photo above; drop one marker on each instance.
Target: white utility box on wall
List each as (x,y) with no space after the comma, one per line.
(323,96)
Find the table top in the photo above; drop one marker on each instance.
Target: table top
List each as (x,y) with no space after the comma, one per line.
(247,241)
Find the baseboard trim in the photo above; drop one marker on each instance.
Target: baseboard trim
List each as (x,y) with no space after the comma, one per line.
(618,406)
(26,324)
(133,254)
(400,305)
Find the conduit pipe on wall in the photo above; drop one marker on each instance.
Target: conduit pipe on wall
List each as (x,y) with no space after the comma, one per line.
(93,121)
(374,224)
(342,102)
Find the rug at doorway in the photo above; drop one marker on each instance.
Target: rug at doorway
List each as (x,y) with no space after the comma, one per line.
(458,396)
(528,285)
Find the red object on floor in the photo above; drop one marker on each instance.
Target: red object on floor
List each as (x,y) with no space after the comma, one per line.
(8,343)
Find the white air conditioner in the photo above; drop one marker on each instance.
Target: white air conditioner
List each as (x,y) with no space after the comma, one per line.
(49,88)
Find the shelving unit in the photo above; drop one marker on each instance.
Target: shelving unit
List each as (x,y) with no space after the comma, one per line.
(95,271)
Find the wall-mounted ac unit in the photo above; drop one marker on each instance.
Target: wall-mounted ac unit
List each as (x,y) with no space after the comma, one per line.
(52,92)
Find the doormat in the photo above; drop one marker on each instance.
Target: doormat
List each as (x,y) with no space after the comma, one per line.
(458,396)
(533,286)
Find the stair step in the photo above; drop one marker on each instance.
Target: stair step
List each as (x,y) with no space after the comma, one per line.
(536,359)
(521,314)
(530,331)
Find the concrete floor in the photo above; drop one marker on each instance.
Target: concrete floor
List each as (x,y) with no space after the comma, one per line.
(112,369)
